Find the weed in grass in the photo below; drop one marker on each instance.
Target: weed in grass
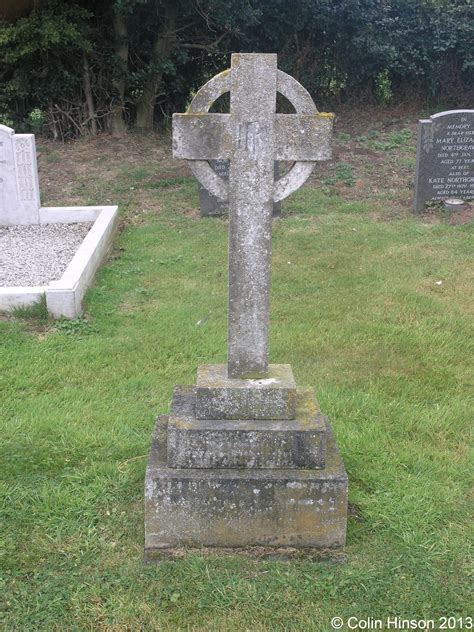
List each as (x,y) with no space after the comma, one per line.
(76,326)
(343,172)
(407,162)
(373,133)
(396,140)
(37,312)
(343,137)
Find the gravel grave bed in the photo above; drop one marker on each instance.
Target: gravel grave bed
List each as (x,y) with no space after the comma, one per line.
(38,254)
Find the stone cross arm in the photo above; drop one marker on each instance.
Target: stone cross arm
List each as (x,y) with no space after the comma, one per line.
(297,137)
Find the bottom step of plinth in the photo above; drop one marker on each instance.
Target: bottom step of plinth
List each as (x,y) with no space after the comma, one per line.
(243,507)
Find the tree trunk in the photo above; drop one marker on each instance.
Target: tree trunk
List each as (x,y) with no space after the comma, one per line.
(162,48)
(117,123)
(86,80)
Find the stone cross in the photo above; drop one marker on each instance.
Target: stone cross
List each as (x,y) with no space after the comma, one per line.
(217,475)
(211,206)
(19,188)
(252,136)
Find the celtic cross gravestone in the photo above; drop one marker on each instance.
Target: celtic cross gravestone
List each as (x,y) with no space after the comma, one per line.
(246,457)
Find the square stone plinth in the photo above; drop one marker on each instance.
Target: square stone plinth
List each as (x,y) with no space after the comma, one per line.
(223,443)
(243,507)
(221,397)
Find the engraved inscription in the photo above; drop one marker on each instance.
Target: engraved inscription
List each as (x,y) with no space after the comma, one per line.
(446,162)
(2,152)
(24,171)
(253,138)
(221,167)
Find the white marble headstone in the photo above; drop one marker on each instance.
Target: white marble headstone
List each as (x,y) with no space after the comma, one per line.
(19,187)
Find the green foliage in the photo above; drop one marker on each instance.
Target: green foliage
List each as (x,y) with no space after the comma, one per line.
(395,140)
(343,172)
(338,50)
(5,116)
(76,326)
(39,57)
(36,120)
(383,90)
(344,137)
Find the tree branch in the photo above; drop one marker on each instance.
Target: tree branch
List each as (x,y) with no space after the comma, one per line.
(206,46)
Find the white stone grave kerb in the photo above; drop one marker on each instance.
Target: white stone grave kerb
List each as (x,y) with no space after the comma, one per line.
(20,205)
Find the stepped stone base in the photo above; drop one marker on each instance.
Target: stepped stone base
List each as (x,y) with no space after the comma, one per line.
(208,443)
(231,507)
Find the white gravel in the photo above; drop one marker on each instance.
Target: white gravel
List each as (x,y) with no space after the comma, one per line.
(35,255)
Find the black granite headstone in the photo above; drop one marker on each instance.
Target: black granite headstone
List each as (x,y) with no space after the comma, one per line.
(445,158)
(212,206)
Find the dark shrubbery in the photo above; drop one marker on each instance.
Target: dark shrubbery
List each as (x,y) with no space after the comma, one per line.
(80,66)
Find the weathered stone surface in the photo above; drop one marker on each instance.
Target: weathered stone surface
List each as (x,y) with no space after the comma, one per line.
(212,206)
(445,158)
(303,137)
(303,103)
(196,443)
(19,187)
(254,463)
(221,397)
(241,507)
(252,136)
(297,136)
(252,107)
(199,137)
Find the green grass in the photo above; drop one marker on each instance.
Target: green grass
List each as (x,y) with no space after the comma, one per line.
(356,310)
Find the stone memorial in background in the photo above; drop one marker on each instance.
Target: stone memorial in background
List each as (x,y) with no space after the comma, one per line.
(19,187)
(245,457)
(445,158)
(212,206)
(27,276)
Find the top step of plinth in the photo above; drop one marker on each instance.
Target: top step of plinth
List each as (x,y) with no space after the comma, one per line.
(221,397)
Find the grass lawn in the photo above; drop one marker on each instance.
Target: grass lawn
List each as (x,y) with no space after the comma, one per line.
(370,305)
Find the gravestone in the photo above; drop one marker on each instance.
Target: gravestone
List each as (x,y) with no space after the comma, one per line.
(212,206)
(19,188)
(245,457)
(445,158)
